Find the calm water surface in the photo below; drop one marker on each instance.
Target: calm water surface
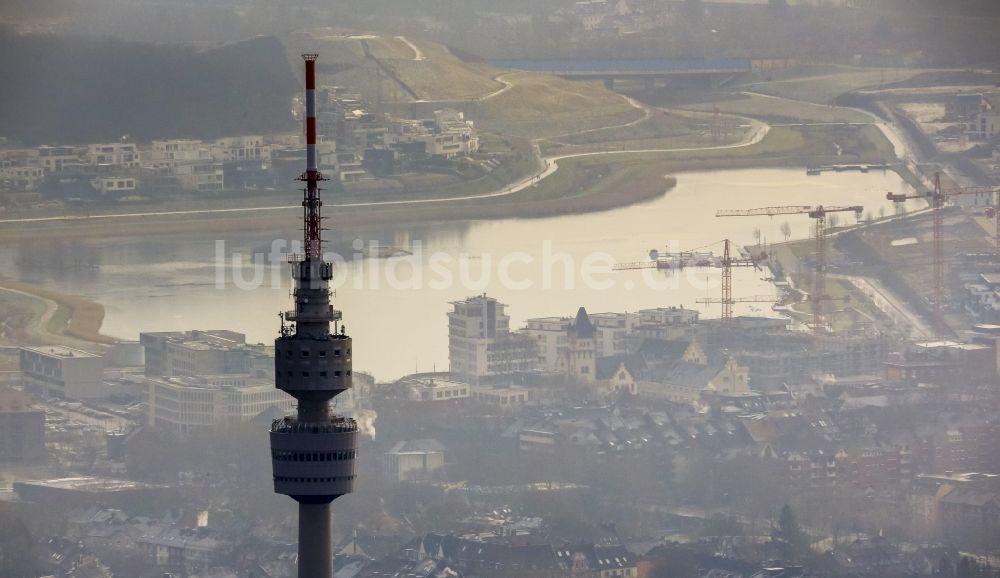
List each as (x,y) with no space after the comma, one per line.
(173,282)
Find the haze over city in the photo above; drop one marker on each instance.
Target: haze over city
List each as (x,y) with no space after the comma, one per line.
(468,289)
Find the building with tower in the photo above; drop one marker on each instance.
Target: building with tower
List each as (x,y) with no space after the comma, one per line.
(313,451)
(579,359)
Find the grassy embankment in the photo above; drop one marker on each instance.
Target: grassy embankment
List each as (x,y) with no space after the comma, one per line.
(778,111)
(37,315)
(544,107)
(662,130)
(828,83)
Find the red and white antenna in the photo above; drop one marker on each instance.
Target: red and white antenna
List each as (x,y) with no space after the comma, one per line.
(311,203)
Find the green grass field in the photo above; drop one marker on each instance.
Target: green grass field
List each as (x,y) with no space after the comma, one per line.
(779,111)
(540,106)
(823,88)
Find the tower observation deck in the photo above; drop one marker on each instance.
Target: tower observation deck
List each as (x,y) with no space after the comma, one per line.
(313,452)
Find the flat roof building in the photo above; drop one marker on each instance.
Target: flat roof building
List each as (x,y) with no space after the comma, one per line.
(502,396)
(63,372)
(434,387)
(213,352)
(185,404)
(414,460)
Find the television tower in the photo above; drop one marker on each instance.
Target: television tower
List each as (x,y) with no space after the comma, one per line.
(313,452)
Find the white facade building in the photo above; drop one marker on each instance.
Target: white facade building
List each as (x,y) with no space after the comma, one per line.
(114,156)
(985,125)
(189,161)
(550,335)
(413,460)
(184,405)
(63,372)
(57,159)
(434,388)
(20,177)
(502,397)
(241,148)
(114,185)
(473,325)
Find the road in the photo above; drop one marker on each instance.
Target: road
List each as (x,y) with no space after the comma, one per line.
(38,326)
(417,53)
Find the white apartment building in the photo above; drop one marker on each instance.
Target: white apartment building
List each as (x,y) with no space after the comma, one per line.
(550,336)
(56,159)
(612,332)
(473,325)
(190,162)
(114,156)
(184,405)
(20,177)
(240,149)
(665,322)
(202,175)
(114,185)
(448,136)
(169,153)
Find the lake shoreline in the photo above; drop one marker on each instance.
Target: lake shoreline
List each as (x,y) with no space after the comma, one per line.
(416,213)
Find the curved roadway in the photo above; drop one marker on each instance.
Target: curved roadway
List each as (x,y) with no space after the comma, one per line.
(546,167)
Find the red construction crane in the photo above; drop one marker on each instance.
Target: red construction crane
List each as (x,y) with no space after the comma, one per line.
(819,214)
(937,199)
(680,260)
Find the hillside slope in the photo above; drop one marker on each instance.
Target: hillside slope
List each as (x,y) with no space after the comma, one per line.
(78,90)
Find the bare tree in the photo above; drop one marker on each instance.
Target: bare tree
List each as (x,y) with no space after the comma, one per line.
(786,230)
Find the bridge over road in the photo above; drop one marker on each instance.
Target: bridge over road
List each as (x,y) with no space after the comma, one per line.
(648,69)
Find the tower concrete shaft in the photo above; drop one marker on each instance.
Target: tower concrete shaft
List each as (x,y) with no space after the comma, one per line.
(313,452)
